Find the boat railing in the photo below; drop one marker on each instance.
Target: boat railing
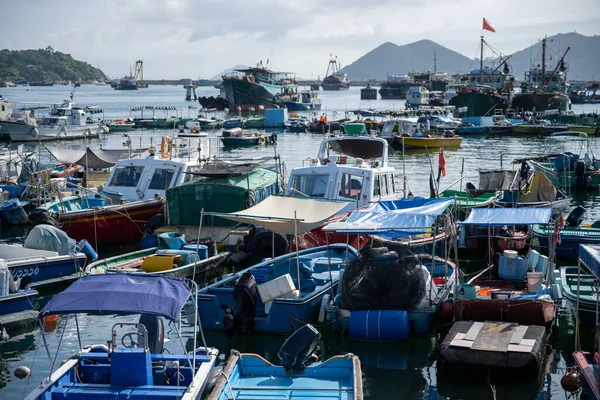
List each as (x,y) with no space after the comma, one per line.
(87,191)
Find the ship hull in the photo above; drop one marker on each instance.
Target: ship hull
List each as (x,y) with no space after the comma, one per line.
(394,93)
(541,102)
(479,104)
(62,132)
(244,94)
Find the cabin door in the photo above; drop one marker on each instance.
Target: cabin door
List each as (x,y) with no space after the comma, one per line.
(160,178)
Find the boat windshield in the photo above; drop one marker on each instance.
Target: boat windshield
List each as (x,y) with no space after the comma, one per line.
(161,179)
(126,176)
(309,185)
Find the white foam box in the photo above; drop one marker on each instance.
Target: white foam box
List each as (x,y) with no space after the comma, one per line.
(292,295)
(275,288)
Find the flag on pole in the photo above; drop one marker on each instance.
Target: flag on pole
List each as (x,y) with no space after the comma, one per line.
(487,26)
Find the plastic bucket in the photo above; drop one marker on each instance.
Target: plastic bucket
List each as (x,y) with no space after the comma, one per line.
(510,254)
(202,250)
(466,291)
(86,248)
(534,281)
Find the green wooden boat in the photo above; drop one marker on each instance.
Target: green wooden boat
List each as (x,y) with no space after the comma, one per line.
(131,263)
(590,130)
(588,294)
(465,200)
(254,123)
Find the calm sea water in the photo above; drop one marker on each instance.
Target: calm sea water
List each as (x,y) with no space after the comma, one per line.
(390,371)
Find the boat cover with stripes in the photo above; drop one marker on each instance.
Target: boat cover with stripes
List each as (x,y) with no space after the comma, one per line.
(122,294)
(508,216)
(589,254)
(410,216)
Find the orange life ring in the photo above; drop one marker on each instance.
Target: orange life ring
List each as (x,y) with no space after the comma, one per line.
(166,143)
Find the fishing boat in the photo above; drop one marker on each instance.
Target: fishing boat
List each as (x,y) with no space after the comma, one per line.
(566,169)
(126,83)
(134,193)
(297,124)
(133,361)
(466,200)
(219,186)
(334,80)
(301,374)
(395,87)
(40,268)
(541,90)
(257,86)
(277,295)
(533,190)
(209,124)
(504,291)
(236,137)
(580,287)
(236,122)
(372,307)
(16,306)
(184,263)
(409,134)
(254,123)
(503,311)
(119,125)
(304,101)
(571,236)
(65,121)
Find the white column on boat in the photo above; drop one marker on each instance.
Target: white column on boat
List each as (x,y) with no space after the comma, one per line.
(297,252)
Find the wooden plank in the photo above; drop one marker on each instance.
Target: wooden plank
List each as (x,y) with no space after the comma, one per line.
(527,342)
(473,331)
(494,336)
(461,343)
(518,334)
(519,348)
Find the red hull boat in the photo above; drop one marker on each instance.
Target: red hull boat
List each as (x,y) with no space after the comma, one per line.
(111,224)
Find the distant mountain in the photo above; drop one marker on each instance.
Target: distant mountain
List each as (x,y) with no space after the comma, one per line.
(390,58)
(227,71)
(583,59)
(46,65)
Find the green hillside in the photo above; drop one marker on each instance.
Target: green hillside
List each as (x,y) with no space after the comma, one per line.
(45,65)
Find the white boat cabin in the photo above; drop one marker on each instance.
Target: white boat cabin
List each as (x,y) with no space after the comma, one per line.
(65,114)
(340,177)
(417,96)
(145,178)
(400,127)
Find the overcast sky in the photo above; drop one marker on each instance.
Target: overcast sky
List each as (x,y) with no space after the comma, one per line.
(201,38)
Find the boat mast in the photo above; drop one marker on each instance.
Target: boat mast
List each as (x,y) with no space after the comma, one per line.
(481,62)
(434,63)
(543,62)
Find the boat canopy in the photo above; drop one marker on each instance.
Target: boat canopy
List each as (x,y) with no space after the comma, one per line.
(589,255)
(404,216)
(508,216)
(96,158)
(276,213)
(121,294)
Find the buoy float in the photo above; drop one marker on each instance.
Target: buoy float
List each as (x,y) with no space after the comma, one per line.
(446,313)
(22,372)
(570,381)
(51,323)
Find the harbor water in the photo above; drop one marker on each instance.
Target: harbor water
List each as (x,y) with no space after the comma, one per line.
(390,371)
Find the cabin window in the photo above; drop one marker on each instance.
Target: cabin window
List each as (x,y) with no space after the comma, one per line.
(351,186)
(126,176)
(309,185)
(161,179)
(376,186)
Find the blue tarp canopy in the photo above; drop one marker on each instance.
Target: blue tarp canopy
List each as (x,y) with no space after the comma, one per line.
(589,254)
(404,216)
(508,216)
(121,294)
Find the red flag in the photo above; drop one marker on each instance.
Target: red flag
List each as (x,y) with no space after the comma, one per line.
(487,26)
(442,163)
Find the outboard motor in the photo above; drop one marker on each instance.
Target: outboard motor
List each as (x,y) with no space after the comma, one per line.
(245,298)
(580,178)
(156,332)
(154,223)
(575,217)
(298,350)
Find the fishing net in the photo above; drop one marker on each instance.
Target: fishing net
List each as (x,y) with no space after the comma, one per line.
(383,280)
(220,169)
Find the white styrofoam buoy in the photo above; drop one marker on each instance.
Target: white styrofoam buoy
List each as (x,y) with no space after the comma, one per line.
(22,372)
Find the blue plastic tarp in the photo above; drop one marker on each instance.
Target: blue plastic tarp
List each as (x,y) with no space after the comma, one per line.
(508,216)
(122,294)
(404,216)
(589,254)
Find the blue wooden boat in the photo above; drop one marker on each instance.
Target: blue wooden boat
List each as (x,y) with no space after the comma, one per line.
(230,123)
(40,268)
(133,365)
(233,304)
(249,376)
(16,310)
(570,239)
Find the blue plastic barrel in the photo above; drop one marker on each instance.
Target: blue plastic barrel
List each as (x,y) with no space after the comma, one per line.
(202,250)
(379,325)
(86,248)
(89,202)
(13,213)
(149,241)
